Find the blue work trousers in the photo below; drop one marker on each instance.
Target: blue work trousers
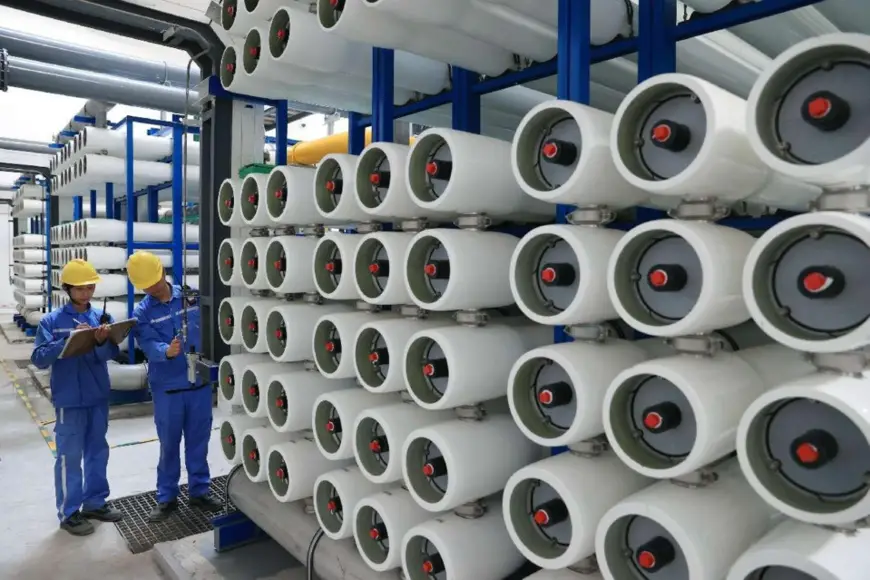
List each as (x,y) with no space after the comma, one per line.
(80,438)
(187,413)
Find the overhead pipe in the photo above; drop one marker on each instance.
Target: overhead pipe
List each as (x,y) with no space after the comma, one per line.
(25,146)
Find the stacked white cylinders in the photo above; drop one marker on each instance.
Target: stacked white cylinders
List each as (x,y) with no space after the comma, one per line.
(379,434)
(561,154)
(336,495)
(378,268)
(115,258)
(291,397)
(255,451)
(587,368)
(255,383)
(831,406)
(473,548)
(229,268)
(454,172)
(379,336)
(333,342)
(380,522)
(474,362)
(254,204)
(334,415)
(95,171)
(562,498)
(232,429)
(252,263)
(290,199)
(558,274)
(294,466)
(719,163)
(230,373)
(229,319)
(114,143)
(805,552)
(712,393)
(287,263)
(229,202)
(475,464)
(477,273)
(254,319)
(712,260)
(683,518)
(290,326)
(334,194)
(96,230)
(334,279)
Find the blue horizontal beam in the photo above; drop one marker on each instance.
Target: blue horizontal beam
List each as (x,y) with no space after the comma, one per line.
(700,24)
(84,119)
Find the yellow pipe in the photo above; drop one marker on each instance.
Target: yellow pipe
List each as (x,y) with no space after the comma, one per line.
(311,152)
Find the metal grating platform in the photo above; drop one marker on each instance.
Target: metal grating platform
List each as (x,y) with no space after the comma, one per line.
(141,535)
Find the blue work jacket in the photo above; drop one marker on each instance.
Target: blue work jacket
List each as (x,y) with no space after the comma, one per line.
(157,323)
(80,381)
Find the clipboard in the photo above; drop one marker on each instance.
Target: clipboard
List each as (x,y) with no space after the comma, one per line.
(84,341)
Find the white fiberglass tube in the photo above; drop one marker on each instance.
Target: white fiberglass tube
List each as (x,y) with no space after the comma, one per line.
(287,262)
(291,397)
(334,253)
(290,199)
(115,258)
(255,451)
(254,317)
(334,415)
(289,328)
(334,184)
(28,284)
(254,207)
(96,141)
(336,495)
(229,202)
(29,241)
(231,431)
(294,466)
(229,318)
(230,374)
(107,230)
(97,170)
(377,268)
(252,263)
(229,266)
(333,341)
(256,379)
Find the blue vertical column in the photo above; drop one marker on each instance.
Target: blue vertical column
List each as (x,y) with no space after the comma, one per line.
(78,204)
(356,134)
(131,219)
(281,133)
(465,101)
(110,201)
(94,203)
(153,205)
(657,43)
(48,286)
(383,88)
(177,202)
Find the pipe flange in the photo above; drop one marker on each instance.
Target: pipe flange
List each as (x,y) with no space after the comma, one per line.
(4,70)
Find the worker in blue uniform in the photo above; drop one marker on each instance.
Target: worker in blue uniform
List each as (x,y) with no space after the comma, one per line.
(80,394)
(181,408)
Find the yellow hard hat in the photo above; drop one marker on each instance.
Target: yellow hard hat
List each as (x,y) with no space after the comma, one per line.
(144,270)
(79,273)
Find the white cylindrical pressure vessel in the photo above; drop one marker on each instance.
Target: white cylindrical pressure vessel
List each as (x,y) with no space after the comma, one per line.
(454,172)
(380,522)
(255,384)
(803,281)
(668,417)
(558,274)
(459,269)
(806,99)
(288,264)
(552,507)
(682,533)
(254,317)
(94,230)
(335,202)
(229,202)
(804,446)
(561,154)
(460,548)
(255,207)
(252,258)
(294,466)
(564,574)
(290,199)
(676,277)
(379,347)
(456,365)
(231,431)
(380,431)
(378,271)
(451,463)
(556,392)
(334,335)
(255,451)
(115,258)
(336,495)
(681,136)
(230,374)
(336,411)
(289,328)
(228,266)
(95,171)
(291,396)
(229,318)
(796,551)
(330,254)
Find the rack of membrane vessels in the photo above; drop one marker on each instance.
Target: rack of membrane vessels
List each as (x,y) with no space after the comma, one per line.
(124,167)
(395,369)
(28,252)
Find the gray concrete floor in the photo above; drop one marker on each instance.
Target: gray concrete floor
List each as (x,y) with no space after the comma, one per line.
(33,545)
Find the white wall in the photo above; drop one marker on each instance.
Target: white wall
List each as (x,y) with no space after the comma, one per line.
(6,298)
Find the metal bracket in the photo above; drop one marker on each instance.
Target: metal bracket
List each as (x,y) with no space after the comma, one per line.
(704,209)
(848,529)
(4,70)
(597,215)
(592,332)
(262,293)
(704,476)
(852,363)
(472,510)
(590,447)
(310,366)
(308,505)
(310,298)
(412,311)
(471,317)
(291,297)
(414,225)
(853,199)
(471,412)
(260,233)
(369,227)
(406,397)
(473,222)
(366,307)
(701,344)
(213,11)
(586,566)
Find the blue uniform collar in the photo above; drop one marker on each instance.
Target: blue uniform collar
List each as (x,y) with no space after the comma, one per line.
(71,310)
(151,301)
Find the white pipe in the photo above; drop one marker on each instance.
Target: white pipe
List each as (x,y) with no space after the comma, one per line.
(668,417)
(478,548)
(111,142)
(95,230)
(380,432)
(228,266)
(254,205)
(455,462)
(451,366)
(28,207)
(29,300)
(229,318)
(252,262)
(127,377)
(377,268)
(289,328)
(333,417)
(333,342)
(255,451)
(552,508)
(334,189)
(287,263)
(28,284)
(459,269)
(698,291)
(254,317)
(239,15)
(31,256)
(29,270)
(231,431)
(97,170)
(705,529)
(332,257)
(290,196)
(229,202)
(29,241)
(33,318)
(336,495)
(293,468)
(115,258)
(256,379)
(291,396)
(230,372)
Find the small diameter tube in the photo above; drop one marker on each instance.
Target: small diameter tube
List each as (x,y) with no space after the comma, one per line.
(228,265)
(333,417)
(232,430)
(255,449)
(230,375)
(333,342)
(255,384)
(336,495)
(294,466)
(229,203)
(290,196)
(377,268)
(254,317)
(254,207)
(334,195)
(332,257)
(229,317)
(287,264)
(290,398)
(252,261)
(289,328)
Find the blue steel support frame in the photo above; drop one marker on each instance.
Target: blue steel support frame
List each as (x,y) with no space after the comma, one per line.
(78,204)
(47,217)
(93,210)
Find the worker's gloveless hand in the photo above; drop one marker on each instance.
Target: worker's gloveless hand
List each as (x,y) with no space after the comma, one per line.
(83,326)
(174,348)
(102,333)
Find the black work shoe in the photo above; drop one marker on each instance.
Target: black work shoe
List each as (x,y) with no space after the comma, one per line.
(103,514)
(207,503)
(162,511)
(77,525)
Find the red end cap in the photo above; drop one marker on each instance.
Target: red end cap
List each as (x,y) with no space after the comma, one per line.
(253,391)
(279,473)
(228,262)
(229,379)
(230,440)
(329,346)
(658,278)
(646,560)
(374,534)
(807,453)
(254,51)
(330,505)
(252,327)
(228,203)
(252,262)
(279,334)
(279,194)
(819,108)
(545,397)
(282,33)
(550,150)
(374,268)
(428,567)
(815,281)
(661,133)
(330,185)
(430,269)
(330,426)
(373,357)
(375,446)
(375,179)
(548,275)
(333,3)
(330,266)
(253,454)
(428,470)
(429,369)
(279,402)
(228,321)
(231,67)
(652,420)
(252,198)
(432,168)
(541,517)
(231,9)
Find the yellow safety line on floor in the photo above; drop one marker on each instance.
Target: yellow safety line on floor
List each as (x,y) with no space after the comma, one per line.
(22,394)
